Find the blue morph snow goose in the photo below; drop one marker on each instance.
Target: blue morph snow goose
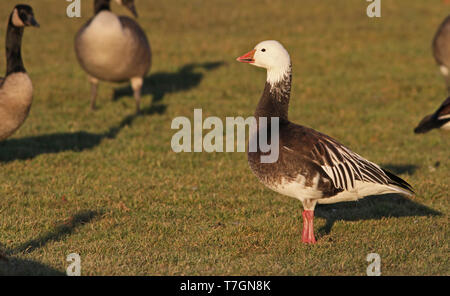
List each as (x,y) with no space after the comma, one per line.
(16,89)
(113,48)
(311,166)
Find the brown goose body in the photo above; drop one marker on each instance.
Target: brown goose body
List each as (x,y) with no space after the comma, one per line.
(16,96)
(312,166)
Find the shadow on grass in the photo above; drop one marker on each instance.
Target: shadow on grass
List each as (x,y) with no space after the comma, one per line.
(158,84)
(56,234)
(399,169)
(161,83)
(370,208)
(10,265)
(24,267)
(30,147)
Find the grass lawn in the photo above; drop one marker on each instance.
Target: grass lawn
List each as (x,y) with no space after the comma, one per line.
(106,184)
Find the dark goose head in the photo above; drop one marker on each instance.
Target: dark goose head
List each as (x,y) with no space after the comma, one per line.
(23,16)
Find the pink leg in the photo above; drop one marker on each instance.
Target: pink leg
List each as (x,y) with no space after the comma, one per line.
(308,227)
(305,228)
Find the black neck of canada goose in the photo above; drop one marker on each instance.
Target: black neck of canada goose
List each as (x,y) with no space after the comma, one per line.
(13,48)
(275,98)
(100,5)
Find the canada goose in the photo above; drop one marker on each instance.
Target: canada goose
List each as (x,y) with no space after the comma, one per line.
(311,166)
(113,48)
(16,89)
(441,50)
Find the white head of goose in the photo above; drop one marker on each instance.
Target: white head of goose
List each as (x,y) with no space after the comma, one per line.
(311,166)
(16,89)
(113,48)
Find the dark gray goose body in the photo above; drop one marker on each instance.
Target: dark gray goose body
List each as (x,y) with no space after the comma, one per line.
(16,89)
(113,48)
(311,166)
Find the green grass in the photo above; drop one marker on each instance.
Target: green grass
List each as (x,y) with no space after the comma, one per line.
(107,185)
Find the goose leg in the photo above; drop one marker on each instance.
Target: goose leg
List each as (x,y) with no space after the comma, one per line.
(94,87)
(308,227)
(136,84)
(308,224)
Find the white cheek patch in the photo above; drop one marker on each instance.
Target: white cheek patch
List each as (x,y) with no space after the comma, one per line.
(447,116)
(444,70)
(16,19)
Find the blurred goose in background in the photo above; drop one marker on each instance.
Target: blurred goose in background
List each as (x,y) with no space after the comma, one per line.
(113,48)
(441,52)
(16,89)
(311,166)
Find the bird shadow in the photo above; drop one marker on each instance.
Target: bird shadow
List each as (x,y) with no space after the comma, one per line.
(25,267)
(31,147)
(11,265)
(161,83)
(371,208)
(399,169)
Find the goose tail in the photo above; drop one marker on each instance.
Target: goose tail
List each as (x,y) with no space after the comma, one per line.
(399,185)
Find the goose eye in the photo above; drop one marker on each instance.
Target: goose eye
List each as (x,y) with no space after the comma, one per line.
(263,50)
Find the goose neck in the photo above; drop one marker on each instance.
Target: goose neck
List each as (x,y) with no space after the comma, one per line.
(14,49)
(274,101)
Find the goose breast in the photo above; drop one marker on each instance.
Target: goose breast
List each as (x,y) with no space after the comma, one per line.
(113,48)
(16,95)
